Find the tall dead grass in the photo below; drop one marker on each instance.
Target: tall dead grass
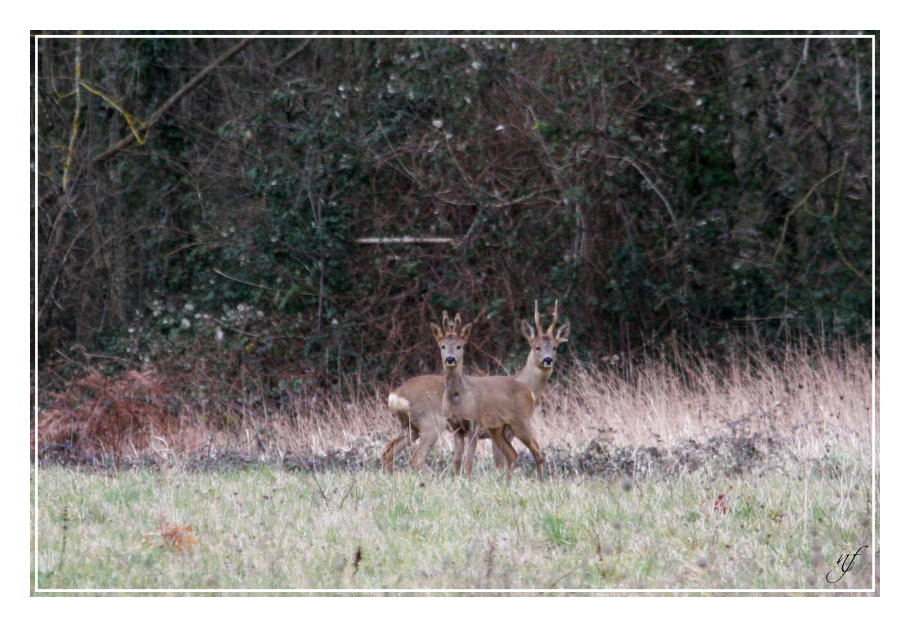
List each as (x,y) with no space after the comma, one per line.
(806,401)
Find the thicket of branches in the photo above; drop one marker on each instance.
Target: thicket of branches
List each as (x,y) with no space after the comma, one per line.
(200,201)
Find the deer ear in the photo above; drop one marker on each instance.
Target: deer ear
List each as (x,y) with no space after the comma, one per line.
(527,331)
(437,332)
(466,330)
(562,334)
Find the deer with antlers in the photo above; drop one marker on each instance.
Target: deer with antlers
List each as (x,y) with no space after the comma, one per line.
(473,405)
(538,366)
(542,357)
(418,402)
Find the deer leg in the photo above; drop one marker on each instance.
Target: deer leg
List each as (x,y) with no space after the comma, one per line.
(473,436)
(392,449)
(428,438)
(499,459)
(525,433)
(408,434)
(500,442)
(458,440)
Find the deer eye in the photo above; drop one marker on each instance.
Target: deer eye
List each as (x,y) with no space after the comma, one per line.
(458,347)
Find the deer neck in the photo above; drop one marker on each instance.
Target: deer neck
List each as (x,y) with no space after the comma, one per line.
(454,381)
(454,399)
(533,375)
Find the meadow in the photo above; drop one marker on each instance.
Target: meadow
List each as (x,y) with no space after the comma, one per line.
(756,475)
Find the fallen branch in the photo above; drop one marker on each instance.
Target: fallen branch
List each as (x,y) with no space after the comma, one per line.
(406,240)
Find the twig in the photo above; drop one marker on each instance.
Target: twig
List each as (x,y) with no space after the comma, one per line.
(87,367)
(410,174)
(65,519)
(77,114)
(127,117)
(344,498)
(227,276)
(783,231)
(834,242)
(497,205)
(799,64)
(576,569)
(293,54)
(329,501)
(321,491)
(655,188)
(406,240)
(478,218)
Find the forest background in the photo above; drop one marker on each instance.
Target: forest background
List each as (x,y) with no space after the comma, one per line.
(222,217)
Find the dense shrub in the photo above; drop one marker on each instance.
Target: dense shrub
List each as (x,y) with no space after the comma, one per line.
(669,192)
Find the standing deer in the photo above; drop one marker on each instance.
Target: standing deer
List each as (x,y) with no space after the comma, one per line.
(478,404)
(418,401)
(539,364)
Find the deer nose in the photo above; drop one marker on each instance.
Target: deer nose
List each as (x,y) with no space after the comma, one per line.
(547,361)
(450,361)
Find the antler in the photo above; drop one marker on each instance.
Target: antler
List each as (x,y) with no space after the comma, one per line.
(451,324)
(555,316)
(537,320)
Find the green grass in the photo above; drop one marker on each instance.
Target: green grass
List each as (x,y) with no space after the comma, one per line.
(264,528)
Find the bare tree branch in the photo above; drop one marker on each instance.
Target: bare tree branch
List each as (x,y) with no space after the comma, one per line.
(156,115)
(174,99)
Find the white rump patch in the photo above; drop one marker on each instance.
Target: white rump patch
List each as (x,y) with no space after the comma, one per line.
(398,403)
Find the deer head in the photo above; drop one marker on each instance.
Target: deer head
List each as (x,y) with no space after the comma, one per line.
(544,343)
(451,338)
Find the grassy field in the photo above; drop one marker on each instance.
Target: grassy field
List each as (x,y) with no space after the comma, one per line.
(260,528)
(759,479)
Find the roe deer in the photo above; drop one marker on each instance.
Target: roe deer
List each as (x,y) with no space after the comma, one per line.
(539,364)
(418,405)
(418,401)
(477,404)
